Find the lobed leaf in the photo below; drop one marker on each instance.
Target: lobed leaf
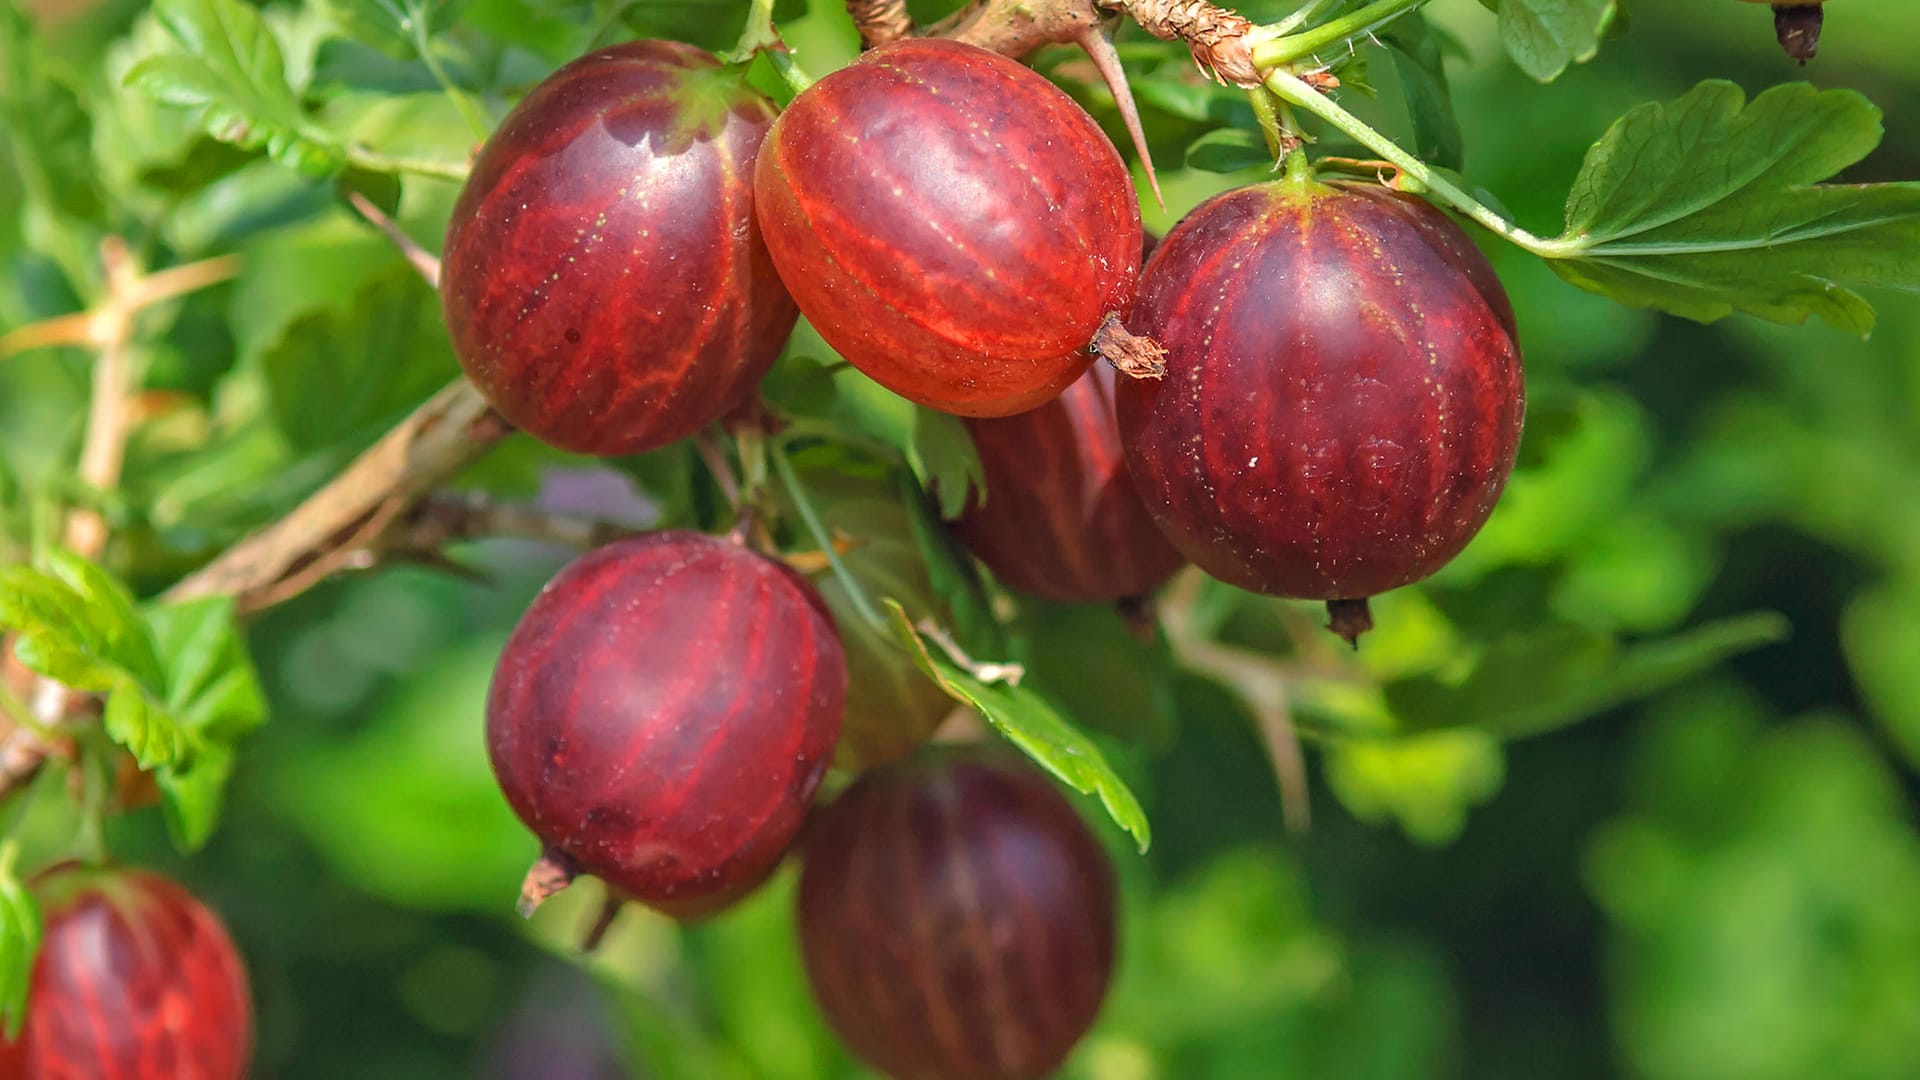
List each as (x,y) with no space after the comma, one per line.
(1418,59)
(1030,723)
(1545,36)
(229,69)
(1711,204)
(1226,150)
(1553,677)
(178,683)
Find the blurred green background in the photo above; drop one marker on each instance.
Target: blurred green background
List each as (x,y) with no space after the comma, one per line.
(1719,882)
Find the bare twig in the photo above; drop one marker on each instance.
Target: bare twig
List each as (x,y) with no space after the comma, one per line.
(342,521)
(1017,27)
(706,443)
(1261,683)
(109,328)
(126,298)
(880,21)
(418,257)
(446,517)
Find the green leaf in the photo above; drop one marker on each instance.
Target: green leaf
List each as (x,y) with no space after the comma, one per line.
(1225,150)
(332,380)
(212,686)
(389,24)
(838,400)
(1175,88)
(228,68)
(1425,782)
(20,931)
(1418,59)
(1710,204)
(1031,724)
(1555,676)
(943,457)
(76,625)
(1544,36)
(178,681)
(47,131)
(1088,660)
(192,794)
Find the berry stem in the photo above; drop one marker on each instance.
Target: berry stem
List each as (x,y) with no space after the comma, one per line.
(1301,16)
(761,37)
(374,161)
(1269,118)
(706,443)
(602,922)
(811,518)
(1291,47)
(94,772)
(1297,93)
(424,262)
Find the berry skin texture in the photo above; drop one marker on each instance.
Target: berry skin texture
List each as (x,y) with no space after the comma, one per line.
(1343,398)
(1062,520)
(957,919)
(661,717)
(604,281)
(952,223)
(135,980)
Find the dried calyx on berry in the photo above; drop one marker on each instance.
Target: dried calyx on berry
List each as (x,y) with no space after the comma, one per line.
(1797,24)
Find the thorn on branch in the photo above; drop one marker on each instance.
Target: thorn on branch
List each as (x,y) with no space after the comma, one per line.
(453,429)
(1097,42)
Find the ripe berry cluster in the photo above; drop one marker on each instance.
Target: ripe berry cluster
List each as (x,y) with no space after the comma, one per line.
(1340,408)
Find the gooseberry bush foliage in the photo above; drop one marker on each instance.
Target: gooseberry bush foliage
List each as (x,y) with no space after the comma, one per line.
(315,289)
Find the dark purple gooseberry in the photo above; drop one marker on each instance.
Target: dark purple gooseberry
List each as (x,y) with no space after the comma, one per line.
(1343,397)
(957,919)
(661,717)
(604,279)
(1061,519)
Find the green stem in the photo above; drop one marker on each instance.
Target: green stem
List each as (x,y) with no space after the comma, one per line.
(1303,96)
(376,162)
(761,36)
(1299,168)
(92,838)
(856,594)
(782,61)
(753,464)
(1301,16)
(1285,50)
(1269,118)
(463,102)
